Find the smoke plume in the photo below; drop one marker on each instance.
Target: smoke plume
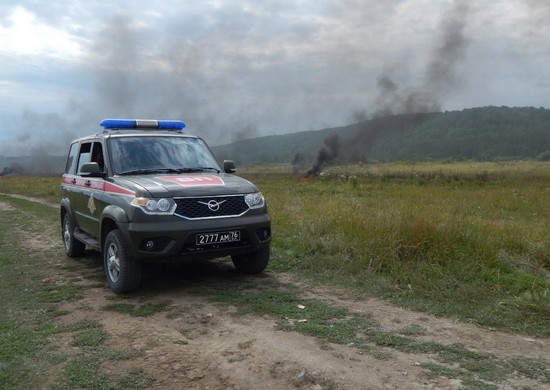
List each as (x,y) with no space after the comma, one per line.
(442,73)
(441,76)
(232,76)
(326,155)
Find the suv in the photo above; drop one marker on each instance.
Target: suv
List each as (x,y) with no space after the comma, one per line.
(142,190)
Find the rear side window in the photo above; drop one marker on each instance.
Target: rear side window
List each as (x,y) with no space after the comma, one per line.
(71,159)
(85,155)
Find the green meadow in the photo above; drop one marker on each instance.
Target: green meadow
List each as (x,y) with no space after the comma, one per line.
(464,240)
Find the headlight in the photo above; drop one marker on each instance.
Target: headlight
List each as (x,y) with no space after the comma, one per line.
(161,206)
(254,201)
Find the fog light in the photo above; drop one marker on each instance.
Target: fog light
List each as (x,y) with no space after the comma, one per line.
(263,234)
(150,245)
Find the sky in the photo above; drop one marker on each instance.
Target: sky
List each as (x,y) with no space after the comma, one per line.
(241,69)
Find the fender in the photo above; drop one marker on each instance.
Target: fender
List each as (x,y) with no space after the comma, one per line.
(65,207)
(115,213)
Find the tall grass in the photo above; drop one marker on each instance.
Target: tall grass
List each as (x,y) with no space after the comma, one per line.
(456,243)
(469,240)
(46,188)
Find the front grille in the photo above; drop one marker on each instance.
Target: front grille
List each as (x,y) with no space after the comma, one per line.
(220,206)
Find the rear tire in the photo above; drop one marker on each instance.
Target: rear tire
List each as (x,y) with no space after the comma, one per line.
(252,263)
(122,272)
(73,247)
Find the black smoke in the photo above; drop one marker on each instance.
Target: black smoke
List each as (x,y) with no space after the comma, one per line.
(12,169)
(401,107)
(326,155)
(442,75)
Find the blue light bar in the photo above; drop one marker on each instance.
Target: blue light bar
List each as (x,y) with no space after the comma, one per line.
(176,125)
(141,124)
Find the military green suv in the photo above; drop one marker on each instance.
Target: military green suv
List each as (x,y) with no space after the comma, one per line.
(143,191)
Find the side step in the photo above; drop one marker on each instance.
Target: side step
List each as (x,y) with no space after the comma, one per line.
(87,239)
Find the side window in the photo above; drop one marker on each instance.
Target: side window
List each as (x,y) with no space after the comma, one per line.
(97,155)
(85,155)
(71,159)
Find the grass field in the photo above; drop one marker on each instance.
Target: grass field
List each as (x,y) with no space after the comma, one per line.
(468,240)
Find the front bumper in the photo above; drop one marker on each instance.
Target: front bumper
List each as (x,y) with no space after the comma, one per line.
(175,237)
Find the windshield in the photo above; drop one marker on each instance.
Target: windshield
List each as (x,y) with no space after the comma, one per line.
(141,155)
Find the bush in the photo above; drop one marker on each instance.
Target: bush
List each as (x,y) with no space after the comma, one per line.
(544,156)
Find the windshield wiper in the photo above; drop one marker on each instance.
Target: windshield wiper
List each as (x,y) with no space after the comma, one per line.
(149,171)
(198,169)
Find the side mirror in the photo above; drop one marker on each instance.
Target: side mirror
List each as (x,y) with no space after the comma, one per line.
(229,166)
(91,170)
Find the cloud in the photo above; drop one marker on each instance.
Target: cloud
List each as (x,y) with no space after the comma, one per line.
(24,35)
(236,69)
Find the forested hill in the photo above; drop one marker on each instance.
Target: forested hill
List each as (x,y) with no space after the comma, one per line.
(484,134)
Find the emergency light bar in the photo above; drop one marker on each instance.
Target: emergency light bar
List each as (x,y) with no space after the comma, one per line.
(141,124)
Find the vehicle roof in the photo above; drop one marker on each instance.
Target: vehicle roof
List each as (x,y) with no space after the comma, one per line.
(115,133)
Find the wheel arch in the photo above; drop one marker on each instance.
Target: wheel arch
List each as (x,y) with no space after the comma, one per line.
(107,225)
(65,209)
(111,217)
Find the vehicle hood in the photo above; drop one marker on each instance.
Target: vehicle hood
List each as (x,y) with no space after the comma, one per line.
(195,184)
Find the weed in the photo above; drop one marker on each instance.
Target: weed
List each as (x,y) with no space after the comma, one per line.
(92,338)
(412,330)
(136,380)
(84,325)
(82,373)
(29,307)
(61,293)
(469,381)
(531,368)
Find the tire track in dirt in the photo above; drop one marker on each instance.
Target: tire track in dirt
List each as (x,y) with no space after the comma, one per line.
(196,344)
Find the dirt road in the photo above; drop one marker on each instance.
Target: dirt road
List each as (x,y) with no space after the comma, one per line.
(195,343)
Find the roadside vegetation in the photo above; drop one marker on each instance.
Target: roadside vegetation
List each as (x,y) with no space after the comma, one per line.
(464,240)
(334,324)
(30,357)
(468,241)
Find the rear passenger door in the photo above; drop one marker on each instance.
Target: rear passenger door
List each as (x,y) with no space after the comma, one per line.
(88,191)
(68,186)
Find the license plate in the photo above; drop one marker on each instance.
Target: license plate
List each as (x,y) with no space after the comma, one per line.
(218,237)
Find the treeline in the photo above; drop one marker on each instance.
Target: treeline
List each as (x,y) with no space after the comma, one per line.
(481,134)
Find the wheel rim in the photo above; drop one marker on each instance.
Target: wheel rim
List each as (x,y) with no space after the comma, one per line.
(113,262)
(66,234)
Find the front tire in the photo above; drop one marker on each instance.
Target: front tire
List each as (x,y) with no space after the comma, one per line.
(122,272)
(252,263)
(73,247)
